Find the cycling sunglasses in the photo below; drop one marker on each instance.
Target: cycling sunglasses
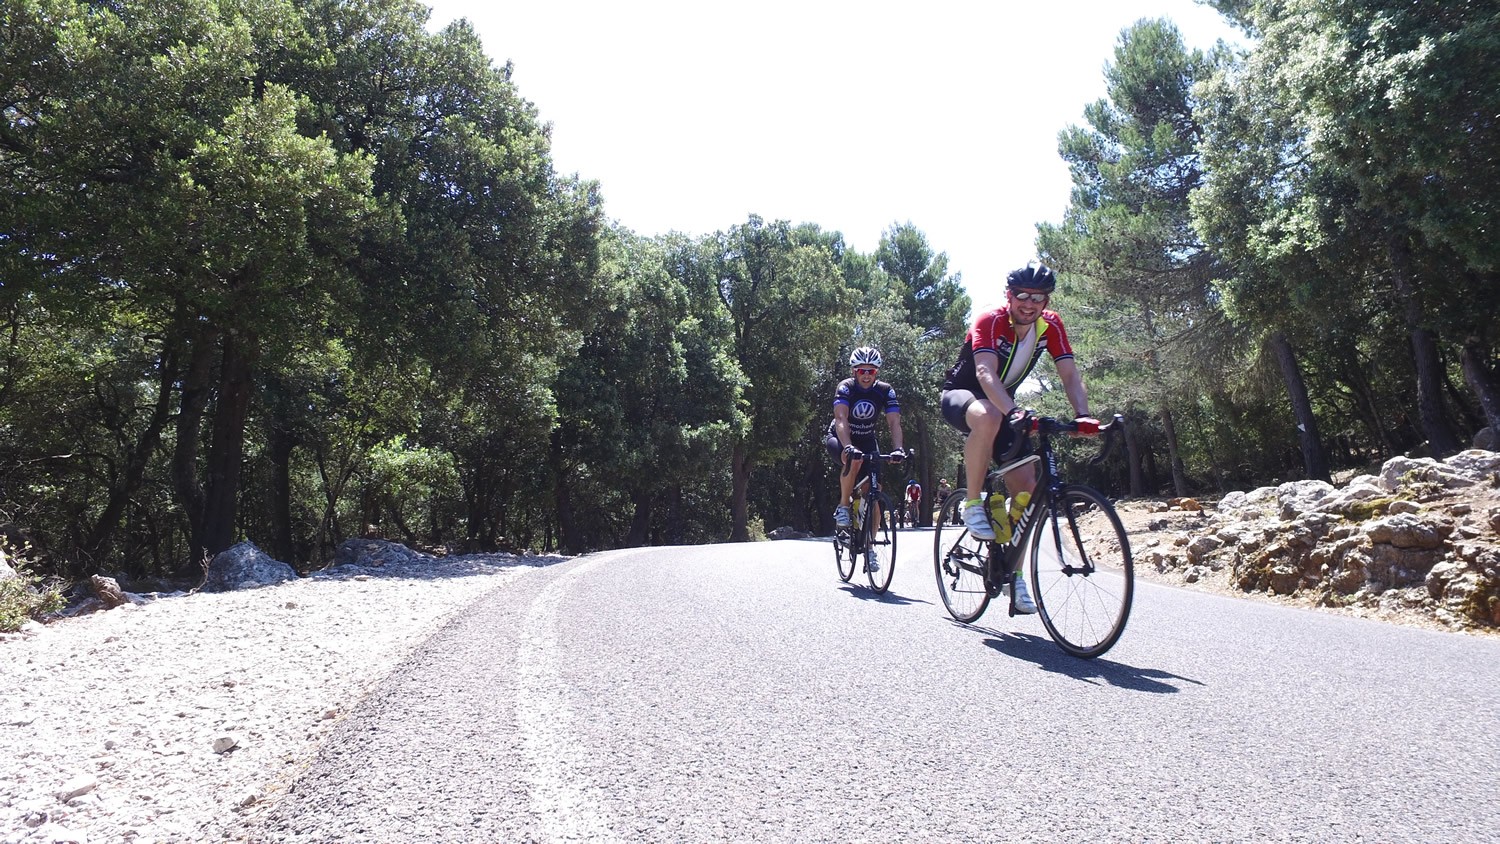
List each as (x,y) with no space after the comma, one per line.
(865,370)
(1026,296)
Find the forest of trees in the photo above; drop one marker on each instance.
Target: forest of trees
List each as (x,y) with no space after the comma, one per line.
(289,270)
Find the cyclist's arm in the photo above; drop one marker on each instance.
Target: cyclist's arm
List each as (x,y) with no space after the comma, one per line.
(893,421)
(841,423)
(1073,387)
(989,382)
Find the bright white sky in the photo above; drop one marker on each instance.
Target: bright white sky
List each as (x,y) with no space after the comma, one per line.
(694,114)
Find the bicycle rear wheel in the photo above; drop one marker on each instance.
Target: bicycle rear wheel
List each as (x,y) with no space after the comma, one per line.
(959,560)
(880,548)
(1083,573)
(843,552)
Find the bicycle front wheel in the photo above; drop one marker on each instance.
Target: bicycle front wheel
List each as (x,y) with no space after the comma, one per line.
(1083,573)
(880,549)
(959,560)
(843,554)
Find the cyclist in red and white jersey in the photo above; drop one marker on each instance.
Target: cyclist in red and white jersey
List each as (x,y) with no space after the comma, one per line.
(1000,350)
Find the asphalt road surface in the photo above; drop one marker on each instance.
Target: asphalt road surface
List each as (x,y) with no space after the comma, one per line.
(742,693)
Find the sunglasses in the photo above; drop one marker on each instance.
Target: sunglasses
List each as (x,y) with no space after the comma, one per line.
(865,370)
(1024,296)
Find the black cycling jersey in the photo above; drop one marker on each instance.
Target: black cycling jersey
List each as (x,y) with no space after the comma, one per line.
(865,406)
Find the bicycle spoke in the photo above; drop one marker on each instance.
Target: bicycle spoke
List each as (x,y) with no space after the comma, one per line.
(881,552)
(1083,573)
(958,562)
(843,554)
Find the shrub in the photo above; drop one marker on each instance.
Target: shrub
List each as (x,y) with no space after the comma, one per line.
(25,595)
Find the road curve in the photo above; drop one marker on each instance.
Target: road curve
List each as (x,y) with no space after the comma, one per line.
(742,693)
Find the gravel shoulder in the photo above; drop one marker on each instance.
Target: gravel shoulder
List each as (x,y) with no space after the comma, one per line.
(159,722)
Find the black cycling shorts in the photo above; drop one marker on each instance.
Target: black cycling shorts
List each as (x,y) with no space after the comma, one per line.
(836,448)
(955,406)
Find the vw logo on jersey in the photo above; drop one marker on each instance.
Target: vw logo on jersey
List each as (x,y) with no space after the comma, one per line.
(863,410)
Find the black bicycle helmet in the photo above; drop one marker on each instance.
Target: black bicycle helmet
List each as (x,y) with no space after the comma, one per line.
(1033,277)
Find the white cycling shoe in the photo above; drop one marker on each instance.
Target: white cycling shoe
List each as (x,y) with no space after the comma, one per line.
(978,522)
(1022,596)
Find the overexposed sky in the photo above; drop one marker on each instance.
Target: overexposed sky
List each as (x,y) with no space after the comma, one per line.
(694,114)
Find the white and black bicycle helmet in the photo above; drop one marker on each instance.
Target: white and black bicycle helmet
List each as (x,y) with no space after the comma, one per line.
(865,356)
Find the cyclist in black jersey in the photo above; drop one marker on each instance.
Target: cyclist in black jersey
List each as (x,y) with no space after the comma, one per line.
(857,402)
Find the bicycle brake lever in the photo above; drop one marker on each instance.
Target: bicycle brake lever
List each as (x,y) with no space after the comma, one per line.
(1111,432)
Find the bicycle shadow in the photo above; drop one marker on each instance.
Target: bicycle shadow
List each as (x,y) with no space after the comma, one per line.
(1044,653)
(865,593)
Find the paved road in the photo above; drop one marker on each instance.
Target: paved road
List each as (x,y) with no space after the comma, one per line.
(741,693)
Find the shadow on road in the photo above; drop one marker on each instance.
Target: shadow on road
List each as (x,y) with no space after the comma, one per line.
(865,593)
(1048,657)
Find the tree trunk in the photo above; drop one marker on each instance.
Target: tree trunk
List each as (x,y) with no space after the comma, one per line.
(279,445)
(1314,459)
(1481,379)
(1441,440)
(569,539)
(640,522)
(330,532)
(138,458)
(1353,375)
(809,516)
(1179,477)
(196,388)
(1169,427)
(739,501)
(1133,457)
(481,527)
(1440,437)
(1468,420)
(227,451)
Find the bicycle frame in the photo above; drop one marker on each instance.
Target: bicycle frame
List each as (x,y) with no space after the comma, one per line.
(868,540)
(1080,568)
(867,487)
(1048,489)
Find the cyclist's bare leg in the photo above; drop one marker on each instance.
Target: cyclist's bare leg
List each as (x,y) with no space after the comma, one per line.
(984,420)
(1021,479)
(847,477)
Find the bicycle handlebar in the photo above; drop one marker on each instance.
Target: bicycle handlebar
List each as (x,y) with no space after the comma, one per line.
(876,457)
(1050,425)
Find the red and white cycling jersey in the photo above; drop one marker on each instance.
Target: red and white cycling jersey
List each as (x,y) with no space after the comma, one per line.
(992,330)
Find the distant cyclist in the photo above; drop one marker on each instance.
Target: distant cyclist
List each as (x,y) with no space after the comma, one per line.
(913,501)
(857,402)
(999,352)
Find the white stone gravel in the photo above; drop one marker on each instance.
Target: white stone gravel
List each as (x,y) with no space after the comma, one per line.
(161,722)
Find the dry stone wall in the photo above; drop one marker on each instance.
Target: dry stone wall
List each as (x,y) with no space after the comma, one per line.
(1422,536)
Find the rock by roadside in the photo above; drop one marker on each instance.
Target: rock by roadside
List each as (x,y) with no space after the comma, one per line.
(1419,543)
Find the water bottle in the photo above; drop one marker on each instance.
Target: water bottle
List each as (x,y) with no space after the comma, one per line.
(1004,514)
(1017,506)
(854,511)
(998,513)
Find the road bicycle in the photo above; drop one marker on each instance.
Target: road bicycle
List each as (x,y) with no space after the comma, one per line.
(872,539)
(1082,574)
